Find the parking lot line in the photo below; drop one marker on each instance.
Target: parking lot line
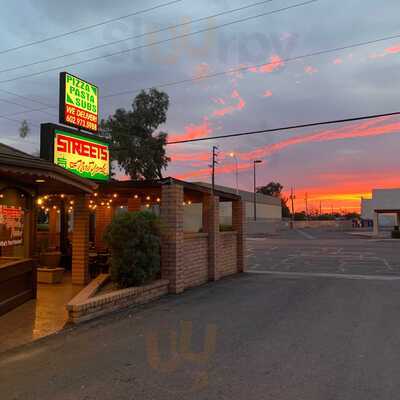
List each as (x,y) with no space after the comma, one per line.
(327,275)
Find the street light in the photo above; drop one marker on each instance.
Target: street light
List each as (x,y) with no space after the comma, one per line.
(233,155)
(255,162)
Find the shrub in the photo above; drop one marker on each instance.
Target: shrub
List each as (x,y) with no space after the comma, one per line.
(225,228)
(134,242)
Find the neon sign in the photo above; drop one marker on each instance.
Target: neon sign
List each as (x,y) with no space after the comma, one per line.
(79,103)
(84,156)
(11,226)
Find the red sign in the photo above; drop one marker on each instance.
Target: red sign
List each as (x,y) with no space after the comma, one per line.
(84,119)
(11,226)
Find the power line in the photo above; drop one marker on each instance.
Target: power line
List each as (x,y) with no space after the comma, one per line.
(91,59)
(243,69)
(286,128)
(31,99)
(85,28)
(168,28)
(232,70)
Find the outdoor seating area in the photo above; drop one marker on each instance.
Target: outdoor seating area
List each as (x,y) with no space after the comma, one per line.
(58,223)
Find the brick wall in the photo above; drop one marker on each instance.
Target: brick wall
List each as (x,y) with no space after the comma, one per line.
(227,260)
(80,243)
(195,259)
(104,218)
(84,307)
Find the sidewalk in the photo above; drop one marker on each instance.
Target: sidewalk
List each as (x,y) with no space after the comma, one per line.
(37,318)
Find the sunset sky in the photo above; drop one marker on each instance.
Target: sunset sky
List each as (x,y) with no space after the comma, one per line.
(335,165)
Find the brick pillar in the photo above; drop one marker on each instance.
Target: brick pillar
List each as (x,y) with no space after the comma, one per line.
(80,242)
(54,229)
(211,226)
(239,225)
(172,238)
(134,205)
(104,217)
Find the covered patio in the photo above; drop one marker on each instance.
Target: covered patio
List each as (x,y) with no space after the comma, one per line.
(23,180)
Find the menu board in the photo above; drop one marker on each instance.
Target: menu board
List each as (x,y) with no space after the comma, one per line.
(11,226)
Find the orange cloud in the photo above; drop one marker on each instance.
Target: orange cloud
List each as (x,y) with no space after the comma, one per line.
(193,131)
(267,93)
(275,63)
(232,108)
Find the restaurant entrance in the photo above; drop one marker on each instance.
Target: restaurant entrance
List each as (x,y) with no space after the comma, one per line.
(27,183)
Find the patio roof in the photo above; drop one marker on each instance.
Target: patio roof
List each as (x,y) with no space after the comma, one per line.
(25,169)
(128,186)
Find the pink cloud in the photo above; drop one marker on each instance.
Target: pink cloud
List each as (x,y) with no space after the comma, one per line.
(338,61)
(310,70)
(393,50)
(267,93)
(193,131)
(201,70)
(232,108)
(219,101)
(275,63)
(378,127)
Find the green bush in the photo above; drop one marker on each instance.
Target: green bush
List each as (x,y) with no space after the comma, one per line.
(225,228)
(134,242)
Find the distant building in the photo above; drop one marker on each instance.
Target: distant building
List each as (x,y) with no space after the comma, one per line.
(383,208)
(268,207)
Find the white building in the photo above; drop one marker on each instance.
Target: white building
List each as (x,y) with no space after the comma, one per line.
(269,211)
(383,208)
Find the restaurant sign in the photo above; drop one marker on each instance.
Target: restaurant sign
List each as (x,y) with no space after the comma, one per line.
(11,226)
(79,103)
(82,154)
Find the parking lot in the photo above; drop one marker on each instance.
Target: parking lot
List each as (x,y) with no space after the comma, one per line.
(324,252)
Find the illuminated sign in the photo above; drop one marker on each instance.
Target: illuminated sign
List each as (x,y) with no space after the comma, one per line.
(79,103)
(11,226)
(81,153)
(88,158)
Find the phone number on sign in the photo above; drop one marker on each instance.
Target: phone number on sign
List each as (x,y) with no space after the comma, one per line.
(84,123)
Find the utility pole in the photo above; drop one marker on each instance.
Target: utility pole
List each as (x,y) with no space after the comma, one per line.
(255,162)
(292,197)
(306,199)
(214,163)
(233,155)
(320,207)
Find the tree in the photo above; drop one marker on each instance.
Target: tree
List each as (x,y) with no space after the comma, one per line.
(139,151)
(274,189)
(24,129)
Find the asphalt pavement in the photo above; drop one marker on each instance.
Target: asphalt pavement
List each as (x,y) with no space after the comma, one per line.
(260,335)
